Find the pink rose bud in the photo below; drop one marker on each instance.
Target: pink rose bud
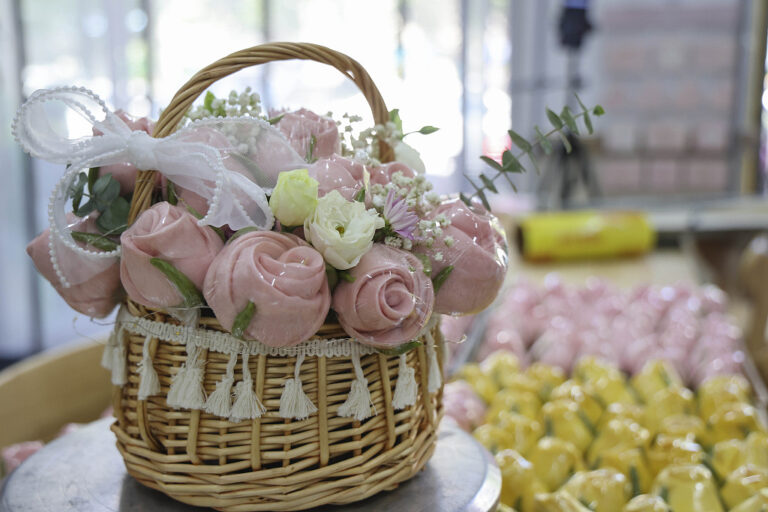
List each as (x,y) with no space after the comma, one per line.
(382,174)
(389,301)
(301,125)
(15,454)
(96,296)
(283,276)
(125,173)
(338,173)
(477,251)
(463,405)
(172,234)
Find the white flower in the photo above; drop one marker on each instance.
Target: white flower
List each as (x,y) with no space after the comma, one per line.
(341,230)
(409,156)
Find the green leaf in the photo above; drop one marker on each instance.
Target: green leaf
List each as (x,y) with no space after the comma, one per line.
(345,275)
(466,200)
(171,192)
(274,120)
(332,276)
(97,241)
(488,183)
(85,209)
(243,320)
(566,142)
(490,161)
(360,196)
(394,116)
(241,232)
(187,289)
(93,175)
(426,264)
(635,479)
(439,280)
(570,122)
(534,162)
(105,190)
(400,349)
(588,123)
(483,199)
(543,141)
(520,141)
(208,101)
(510,163)
(581,103)
(426,130)
(114,220)
(554,119)
(598,110)
(195,213)
(78,184)
(310,158)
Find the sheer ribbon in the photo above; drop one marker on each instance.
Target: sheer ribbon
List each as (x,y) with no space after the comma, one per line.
(231,162)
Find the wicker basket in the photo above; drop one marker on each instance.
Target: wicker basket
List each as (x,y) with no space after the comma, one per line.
(267,462)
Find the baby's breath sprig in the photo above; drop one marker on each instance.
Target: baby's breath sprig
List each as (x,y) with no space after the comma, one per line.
(246,103)
(511,163)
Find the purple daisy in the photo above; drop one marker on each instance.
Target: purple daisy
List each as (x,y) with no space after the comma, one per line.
(400,218)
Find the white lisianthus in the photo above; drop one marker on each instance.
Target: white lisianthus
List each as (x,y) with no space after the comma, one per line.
(341,230)
(294,198)
(409,156)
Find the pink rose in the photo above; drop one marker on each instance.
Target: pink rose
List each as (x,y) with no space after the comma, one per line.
(125,174)
(172,234)
(14,455)
(98,295)
(389,301)
(338,173)
(301,125)
(382,174)
(478,254)
(282,275)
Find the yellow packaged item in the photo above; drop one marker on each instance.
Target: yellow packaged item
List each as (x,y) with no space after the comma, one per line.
(631,463)
(722,389)
(501,362)
(519,484)
(519,382)
(481,383)
(684,426)
(668,402)
(566,420)
(573,391)
(619,434)
(757,503)
(602,490)
(584,234)
(671,451)
(494,438)
(688,488)
(646,503)
(523,431)
(756,449)
(610,390)
(655,376)
(554,461)
(591,368)
(727,456)
(742,484)
(548,377)
(733,420)
(634,412)
(560,501)
(523,402)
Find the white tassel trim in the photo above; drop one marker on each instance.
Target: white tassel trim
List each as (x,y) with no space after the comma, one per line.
(247,405)
(358,404)
(119,356)
(406,390)
(435,377)
(187,386)
(109,350)
(294,403)
(149,384)
(219,402)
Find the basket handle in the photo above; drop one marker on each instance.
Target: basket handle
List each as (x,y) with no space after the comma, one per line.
(190,91)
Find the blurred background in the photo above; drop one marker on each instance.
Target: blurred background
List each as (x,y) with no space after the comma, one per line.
(683,83)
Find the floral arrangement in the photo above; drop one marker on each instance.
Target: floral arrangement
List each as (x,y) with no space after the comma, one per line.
(274,223)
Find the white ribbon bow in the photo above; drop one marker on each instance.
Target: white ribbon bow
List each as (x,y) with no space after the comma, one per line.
(199,158)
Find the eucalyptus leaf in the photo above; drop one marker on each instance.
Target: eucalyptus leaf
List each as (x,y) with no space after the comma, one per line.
(276,119)
(466,200)
(554,119)
(483,199)
(570,122)
(77,186)
(490,161)
(85,209)
(187,289)
(598,110)
(105,190)
(93,175)
(400,349)
(243,320)
(346,276)
(520,141)
(241,232)
(97,241)
(510,163)
(566,142)
(439,280)
(114,219)
(588,123)
(171,192)
(426,130)
(543,141)
(488,184)
(332,276)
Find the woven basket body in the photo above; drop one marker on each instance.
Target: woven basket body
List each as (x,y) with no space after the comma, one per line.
(268,462)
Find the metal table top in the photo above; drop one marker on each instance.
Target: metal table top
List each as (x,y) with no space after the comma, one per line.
(83,471)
